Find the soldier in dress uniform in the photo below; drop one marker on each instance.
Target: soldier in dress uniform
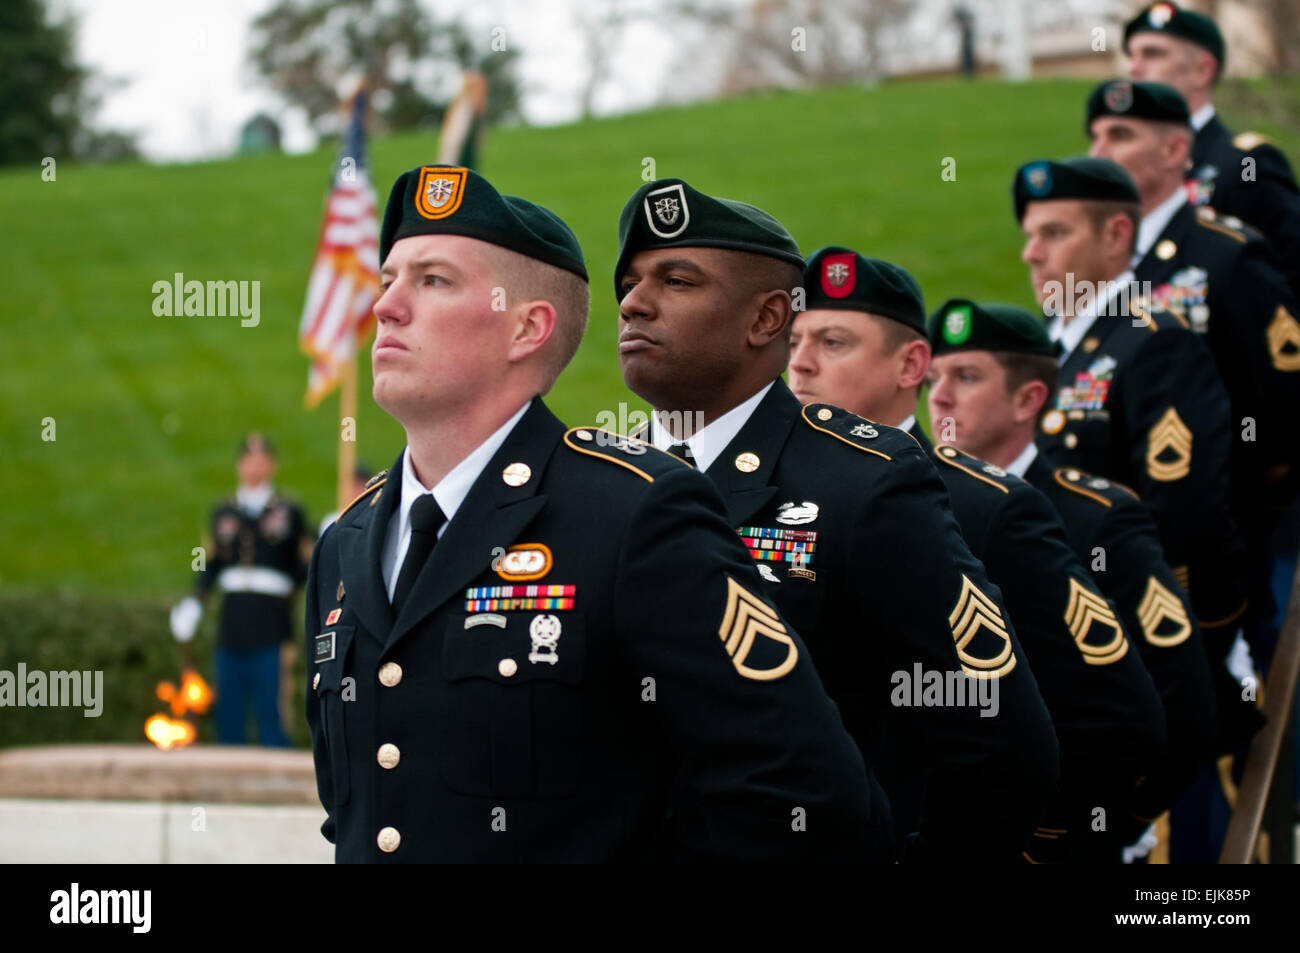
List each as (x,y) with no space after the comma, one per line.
(1219,278)
(991,381)
(847,520)
(861,344)
(1140,400)
(1243,175)
(256,554)
(533,643)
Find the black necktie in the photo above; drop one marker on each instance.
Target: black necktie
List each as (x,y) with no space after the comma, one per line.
(426,519)
(682,451)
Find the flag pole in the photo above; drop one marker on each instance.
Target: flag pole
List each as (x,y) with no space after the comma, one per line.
(347,429)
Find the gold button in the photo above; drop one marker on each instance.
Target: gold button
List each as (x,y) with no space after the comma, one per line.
(517,474)
(507,667)
(1071,440)
(390,673)
(315,682)
(747,462)
(389,839)
(389,756)
(824,414)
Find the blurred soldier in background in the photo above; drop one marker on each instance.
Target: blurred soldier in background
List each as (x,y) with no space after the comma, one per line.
(257,553)
(1243,175)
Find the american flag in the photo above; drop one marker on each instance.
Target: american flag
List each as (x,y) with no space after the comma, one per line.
(344,284)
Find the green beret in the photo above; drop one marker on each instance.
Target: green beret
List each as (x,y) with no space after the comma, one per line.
(1080,177)
(840,279)
(668,213)
(1171,19)
(256,443)
(962,325)
(449,200)
(1137,100)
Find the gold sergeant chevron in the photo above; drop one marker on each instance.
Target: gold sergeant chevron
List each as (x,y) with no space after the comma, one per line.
(974,611)
(1284,341)
(746,618)
(1169,434)
(1086,609)
(1159,606)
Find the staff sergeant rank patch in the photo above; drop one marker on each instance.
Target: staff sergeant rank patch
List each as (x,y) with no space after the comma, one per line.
(992,657)
(745,619)
(1086,613)
(1159,612)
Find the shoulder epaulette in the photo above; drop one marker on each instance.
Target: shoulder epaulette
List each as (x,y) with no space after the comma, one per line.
(627,452)
(981,470)
(858,432)
(1105,492)
(1223,224)
(1245,141)
(376,481)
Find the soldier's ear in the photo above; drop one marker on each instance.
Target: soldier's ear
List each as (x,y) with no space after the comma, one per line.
(534,323)
(772,319)
(1028,400)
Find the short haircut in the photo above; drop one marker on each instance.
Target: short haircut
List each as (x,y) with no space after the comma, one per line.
(528,279)
(763,273)
(1101,212)
(894,333)
(1021,368)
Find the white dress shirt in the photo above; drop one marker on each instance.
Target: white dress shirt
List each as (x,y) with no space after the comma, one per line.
(1202,116)
(1020,464)
(253,499)
(449,493)
(710,441)
(1071,333)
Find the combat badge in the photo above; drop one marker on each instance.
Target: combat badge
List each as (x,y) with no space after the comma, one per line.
(1086,612)
(796,514)
(745,619)
(1169,448)
(1161,608)
(975,611)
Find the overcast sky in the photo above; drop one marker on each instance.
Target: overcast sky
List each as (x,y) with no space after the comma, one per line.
(189,87)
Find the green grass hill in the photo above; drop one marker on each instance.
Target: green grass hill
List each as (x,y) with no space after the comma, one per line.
(147,410)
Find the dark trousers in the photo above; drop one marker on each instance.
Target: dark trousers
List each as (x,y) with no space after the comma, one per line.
(249,677)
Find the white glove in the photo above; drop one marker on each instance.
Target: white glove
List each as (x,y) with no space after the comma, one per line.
(185,618)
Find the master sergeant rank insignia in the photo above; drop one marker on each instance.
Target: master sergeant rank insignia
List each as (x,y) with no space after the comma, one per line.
(1169,448)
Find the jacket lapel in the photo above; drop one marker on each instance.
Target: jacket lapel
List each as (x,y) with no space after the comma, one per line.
(764,435)
(493,514)
(361,548)
(1155,269)
(919,436)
